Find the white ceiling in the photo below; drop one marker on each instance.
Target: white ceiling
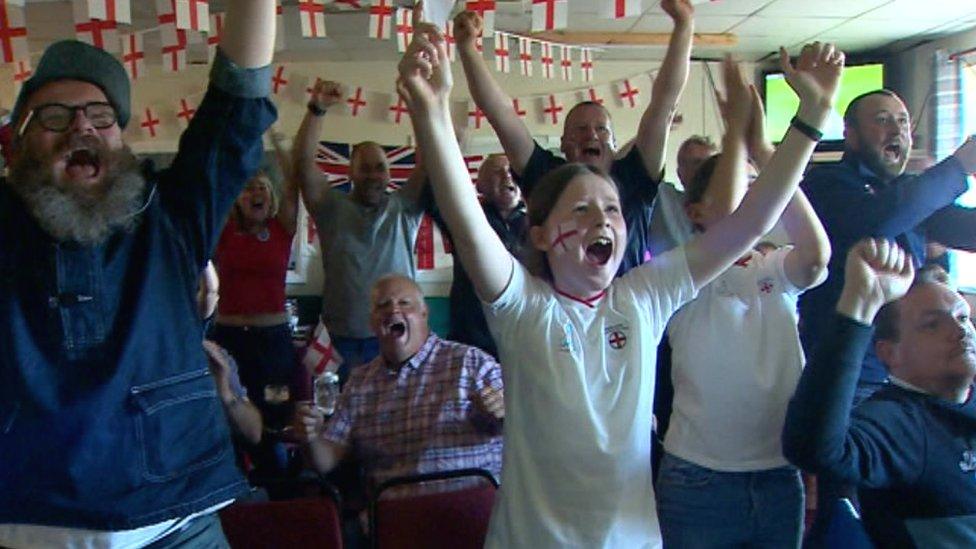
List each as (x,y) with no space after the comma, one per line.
(857,26)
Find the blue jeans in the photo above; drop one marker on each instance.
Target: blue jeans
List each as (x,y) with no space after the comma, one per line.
(700,507)
(354,351)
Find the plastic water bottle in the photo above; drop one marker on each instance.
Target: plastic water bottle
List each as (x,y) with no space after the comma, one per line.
(326,390)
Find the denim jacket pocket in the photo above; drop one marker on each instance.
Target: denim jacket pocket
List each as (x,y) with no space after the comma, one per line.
(179,425)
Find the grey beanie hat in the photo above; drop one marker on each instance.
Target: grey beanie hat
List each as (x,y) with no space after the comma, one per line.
(74,60)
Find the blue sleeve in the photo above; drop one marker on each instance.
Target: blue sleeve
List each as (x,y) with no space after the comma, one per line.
(850,212)
(540,163)
(953,226)
(879,444)
(218,152)
(632,177)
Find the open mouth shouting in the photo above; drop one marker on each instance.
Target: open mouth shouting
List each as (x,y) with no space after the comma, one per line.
(395,327)
(82,163)
(599,251)
(893,152)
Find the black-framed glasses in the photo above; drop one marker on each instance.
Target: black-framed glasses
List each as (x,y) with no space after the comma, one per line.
(57,117)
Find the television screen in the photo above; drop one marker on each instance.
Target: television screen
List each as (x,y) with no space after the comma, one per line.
(781,102)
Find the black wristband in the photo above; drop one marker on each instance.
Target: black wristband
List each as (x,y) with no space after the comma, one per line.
(315,109)
(814,134)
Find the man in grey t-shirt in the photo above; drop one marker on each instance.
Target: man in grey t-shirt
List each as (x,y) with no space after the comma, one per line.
(364,234)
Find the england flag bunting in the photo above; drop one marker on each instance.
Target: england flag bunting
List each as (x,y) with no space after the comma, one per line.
(449,40)
(546,59)
(619,9)
(566,62)
(503,58)
(22,71)
(312,13)
(214,34)
(345,5)
(549,15)
(148,121)
(356,101)
(174,40)
(278,80)
(525,55)
(185,110)
(119,11)
(321,355)
(133,55)
(586,64)
(475,116)
(13,31)
(98,33)
(589,94)
(518,109)
(404,28)
(279,26)
(627,93)
(397,110)
(381,19)
(552,108)
(192,15)
(485,9)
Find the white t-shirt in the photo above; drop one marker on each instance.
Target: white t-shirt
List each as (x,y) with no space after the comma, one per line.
(579,390)
(735,362)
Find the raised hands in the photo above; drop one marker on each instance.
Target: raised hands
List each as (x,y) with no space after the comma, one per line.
(815,75)
(468,26)
(736,106)
(326,93)
(309,422)
(680,11)
(877,271)
(425,71)
(758,147)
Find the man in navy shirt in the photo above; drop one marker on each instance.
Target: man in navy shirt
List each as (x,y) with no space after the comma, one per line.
(910,447)
(111,431)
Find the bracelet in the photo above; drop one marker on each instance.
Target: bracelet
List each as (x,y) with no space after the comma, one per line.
(814,134)
(315,109)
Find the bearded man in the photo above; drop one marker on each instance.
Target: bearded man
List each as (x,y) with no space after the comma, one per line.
(111,432)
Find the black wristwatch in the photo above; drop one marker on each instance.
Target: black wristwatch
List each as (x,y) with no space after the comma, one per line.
(315,109)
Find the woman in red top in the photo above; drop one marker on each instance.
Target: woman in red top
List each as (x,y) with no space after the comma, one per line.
(252,324)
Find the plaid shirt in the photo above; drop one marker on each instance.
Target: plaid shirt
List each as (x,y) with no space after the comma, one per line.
(421,417)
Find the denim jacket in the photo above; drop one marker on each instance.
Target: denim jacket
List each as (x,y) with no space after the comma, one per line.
(109,419)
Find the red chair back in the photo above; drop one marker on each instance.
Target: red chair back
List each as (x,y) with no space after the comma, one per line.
(296,523)
(445,520)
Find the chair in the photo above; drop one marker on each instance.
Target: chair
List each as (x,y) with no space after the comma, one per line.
(845,529)
(455,520)
(296,523)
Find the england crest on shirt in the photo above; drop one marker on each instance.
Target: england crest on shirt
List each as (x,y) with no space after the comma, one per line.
(617,336)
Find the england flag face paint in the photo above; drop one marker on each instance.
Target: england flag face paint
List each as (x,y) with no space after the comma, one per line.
(565,237)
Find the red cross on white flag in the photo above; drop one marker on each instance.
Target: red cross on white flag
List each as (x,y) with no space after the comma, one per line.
(627,93)
(22,71)
(278,80)
(546,59)
(449,40)
(119,11)
(518,110)
(313,18)
(525,56)
(193,15)
(503,58)
(149,122)
(356,101)
(566,62)
(549,15)
(173,40)
(475,115)
(98,33)
(586,64)
(185,112)
(380,15)
(404,28)
(485,9)
(619,9)
(398,108)
(348,4)
(279,26)
(13,31)
(133,55)
(552,107)
(589,94)
(214,34)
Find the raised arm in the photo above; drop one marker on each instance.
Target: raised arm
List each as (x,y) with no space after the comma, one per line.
(806,264)
(819,434)
(413,189)
(288,205)
(310,180)
(815,79)
(655,124)
(325,455)
(425,82)
(243,415)
(249,32)
(489,96)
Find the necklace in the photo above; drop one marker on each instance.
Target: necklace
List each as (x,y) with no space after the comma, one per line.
(264,235)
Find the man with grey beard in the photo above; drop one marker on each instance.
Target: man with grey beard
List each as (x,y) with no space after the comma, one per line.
(111,432)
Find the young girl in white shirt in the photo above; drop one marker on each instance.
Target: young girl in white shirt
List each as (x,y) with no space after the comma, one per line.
(577,345)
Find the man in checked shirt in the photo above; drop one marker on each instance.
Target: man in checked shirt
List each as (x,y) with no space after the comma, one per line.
(423,405)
